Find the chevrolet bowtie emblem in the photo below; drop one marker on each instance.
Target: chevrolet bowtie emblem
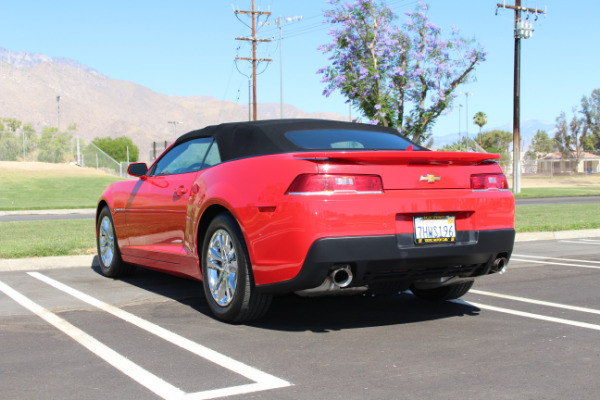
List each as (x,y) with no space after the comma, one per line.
(430,178)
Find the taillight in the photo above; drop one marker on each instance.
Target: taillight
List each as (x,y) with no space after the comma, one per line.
(311,184)
(488,181)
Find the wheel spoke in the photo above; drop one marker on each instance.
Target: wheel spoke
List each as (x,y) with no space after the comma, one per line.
(222,268)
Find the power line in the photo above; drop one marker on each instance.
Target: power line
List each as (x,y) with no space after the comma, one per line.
(254,15)
(523,30)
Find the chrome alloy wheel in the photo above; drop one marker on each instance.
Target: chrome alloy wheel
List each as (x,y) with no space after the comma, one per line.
(222,267)
(106,240)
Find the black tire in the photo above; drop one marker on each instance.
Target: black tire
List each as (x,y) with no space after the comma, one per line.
(449,292)
(227,274)
(109,255)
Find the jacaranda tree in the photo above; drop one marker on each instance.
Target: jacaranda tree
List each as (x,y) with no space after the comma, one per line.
(398,76)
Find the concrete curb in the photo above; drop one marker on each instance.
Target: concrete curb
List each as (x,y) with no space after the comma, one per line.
(43,263)
(88,261)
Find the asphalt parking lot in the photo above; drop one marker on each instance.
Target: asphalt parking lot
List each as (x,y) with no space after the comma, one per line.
(531,333)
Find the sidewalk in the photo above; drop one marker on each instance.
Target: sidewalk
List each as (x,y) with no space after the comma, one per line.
(87,261)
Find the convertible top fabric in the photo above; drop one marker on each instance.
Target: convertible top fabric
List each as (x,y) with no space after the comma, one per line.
(245,139)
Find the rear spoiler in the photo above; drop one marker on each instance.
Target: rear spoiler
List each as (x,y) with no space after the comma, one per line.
(400,156)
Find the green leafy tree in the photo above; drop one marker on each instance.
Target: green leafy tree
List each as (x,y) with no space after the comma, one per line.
(570,137)
(117,148)
(54,147)
(12,124)
(31,138)
(460,145)
(49,129)
(398,76)
(590,108)
(541,145)
(2,127)
(480,119)
(496,141)
(9,146)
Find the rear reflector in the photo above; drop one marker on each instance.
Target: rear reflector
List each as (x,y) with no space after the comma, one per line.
(311,184)
(488,181)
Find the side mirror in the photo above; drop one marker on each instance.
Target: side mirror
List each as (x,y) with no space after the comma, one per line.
(138,169)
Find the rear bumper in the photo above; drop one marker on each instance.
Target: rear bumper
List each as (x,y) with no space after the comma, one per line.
(398,258)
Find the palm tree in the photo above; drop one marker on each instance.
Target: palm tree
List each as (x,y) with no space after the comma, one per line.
(480,119)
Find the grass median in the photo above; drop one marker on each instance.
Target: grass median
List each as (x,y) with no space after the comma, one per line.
(42,186)
(74,237)
(47,238)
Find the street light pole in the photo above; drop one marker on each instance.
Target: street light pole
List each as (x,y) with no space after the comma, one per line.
(459,135)
(467,94)
(58,112)
(174,123)
(278,22)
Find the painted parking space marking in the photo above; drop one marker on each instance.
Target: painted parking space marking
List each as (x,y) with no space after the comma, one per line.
(134,371)
(537,302)
(530,315)
(555,258)
(579,242)
(262,381)
(522,259)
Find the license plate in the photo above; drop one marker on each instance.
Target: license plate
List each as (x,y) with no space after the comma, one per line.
(435,229)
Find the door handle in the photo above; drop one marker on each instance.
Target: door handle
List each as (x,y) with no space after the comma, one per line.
(181,190)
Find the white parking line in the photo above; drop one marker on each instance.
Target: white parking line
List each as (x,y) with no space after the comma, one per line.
(554,258)
(531,315)
(578,242)
(553,263)
(538,302)
(263,381)
(134,371)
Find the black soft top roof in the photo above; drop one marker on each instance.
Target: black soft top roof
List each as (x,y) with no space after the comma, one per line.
(244,139)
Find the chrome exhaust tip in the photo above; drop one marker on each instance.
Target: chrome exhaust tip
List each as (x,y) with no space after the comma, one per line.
(499,265)
(342,276)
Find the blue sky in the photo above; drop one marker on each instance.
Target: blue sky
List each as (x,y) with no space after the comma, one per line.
(185,47)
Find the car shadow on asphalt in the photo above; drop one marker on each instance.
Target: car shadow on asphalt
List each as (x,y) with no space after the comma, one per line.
(320,314)
(325,314)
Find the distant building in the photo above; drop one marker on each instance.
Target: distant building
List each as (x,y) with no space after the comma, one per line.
(557,164)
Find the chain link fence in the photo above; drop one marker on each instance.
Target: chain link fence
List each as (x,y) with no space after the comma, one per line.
(57,148)
(555,167)
(69,147)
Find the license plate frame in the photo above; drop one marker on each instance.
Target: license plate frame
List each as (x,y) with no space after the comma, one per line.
(434,229)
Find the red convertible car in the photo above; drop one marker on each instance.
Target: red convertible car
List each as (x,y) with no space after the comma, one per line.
(255,209)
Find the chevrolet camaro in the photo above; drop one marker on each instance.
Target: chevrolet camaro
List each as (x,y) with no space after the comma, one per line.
(313,207)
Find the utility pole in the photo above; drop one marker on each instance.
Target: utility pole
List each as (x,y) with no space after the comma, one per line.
(254,60)
(523,30)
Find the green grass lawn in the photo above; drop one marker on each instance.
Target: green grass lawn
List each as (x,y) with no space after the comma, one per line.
(48,188)
(559,191)
(22,190)
(557,217)
(47,238)
(72,237)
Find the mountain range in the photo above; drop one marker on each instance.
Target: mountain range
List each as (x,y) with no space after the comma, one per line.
(101,106)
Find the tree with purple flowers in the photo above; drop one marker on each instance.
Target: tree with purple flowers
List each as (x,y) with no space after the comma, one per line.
(401,77)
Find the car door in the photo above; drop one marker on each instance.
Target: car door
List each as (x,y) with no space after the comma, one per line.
(157,211)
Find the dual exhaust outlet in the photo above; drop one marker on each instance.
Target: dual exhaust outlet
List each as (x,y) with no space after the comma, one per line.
(499,265)
(341,276)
